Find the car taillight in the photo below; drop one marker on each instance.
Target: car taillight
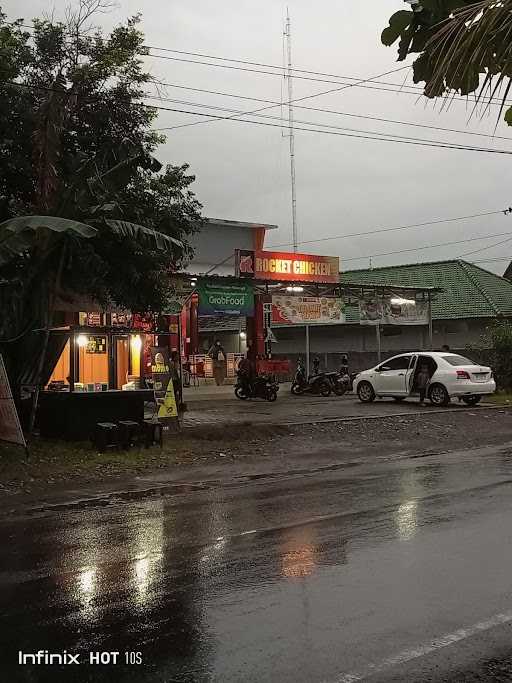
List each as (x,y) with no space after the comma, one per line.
(462,374)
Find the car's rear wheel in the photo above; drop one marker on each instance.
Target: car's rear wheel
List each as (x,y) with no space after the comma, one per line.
(438,395)
(472,400)
(365,392)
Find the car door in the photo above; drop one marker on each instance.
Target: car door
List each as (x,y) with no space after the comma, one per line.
(392,375)
(409,377)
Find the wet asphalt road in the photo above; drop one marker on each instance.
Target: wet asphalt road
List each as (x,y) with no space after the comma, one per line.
(393,571)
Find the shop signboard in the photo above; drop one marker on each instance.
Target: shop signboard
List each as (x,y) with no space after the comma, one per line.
(287,267)
(381,310)
(235,298)
(10,428)
(96,344)
(167,405)
(307,310)
(160,369)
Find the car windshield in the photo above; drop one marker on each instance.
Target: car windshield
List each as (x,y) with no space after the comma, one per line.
(458,360)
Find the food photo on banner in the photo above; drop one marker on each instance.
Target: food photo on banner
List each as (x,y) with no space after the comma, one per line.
(394,310)
(301,310)
(236,298)
(160,369)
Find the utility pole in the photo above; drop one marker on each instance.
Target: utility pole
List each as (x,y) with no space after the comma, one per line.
(288,34)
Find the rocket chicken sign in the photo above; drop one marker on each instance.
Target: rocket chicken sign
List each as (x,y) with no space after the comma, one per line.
(288,267)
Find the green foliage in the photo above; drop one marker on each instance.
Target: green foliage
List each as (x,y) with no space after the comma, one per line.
(77,147)
(497,341)
(463,46)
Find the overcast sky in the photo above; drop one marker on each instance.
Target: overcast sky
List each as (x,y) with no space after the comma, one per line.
(344,185)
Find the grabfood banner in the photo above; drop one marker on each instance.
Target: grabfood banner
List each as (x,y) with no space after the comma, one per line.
(226,299)
(302,310)
(377,310)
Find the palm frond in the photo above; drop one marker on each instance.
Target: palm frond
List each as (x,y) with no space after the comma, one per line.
(475,41)
(146,236)
(17,235)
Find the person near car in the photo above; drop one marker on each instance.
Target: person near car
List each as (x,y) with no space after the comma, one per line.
(218,355)
(316,365)
(422,380)
(445,348)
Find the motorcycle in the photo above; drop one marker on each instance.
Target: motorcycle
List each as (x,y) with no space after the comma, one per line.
(340,382)
(260,386)
(315,384)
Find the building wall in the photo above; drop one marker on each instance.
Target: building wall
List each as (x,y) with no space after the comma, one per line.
(214,244)
(328,342)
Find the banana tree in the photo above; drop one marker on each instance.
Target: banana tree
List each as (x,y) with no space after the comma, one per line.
(37,258)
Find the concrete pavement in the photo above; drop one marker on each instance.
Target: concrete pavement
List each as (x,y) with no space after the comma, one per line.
(211,405)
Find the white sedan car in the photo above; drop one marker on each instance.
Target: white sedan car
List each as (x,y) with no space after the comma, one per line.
(451,376)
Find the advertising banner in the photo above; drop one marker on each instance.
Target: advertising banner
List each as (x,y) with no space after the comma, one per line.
(160,370)
(225,299)
(10,428)
(287,267)
(302,310)
(378,310)
(168,408)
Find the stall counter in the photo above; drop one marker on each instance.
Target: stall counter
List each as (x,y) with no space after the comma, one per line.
(73,415)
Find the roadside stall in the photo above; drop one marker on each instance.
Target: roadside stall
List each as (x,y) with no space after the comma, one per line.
(103,371)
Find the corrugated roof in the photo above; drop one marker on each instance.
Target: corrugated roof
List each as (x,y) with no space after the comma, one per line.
(469,291)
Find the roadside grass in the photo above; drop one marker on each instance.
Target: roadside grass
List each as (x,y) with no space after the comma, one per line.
(501,398)
(50,461)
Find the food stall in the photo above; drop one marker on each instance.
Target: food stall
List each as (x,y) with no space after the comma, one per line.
(103,372)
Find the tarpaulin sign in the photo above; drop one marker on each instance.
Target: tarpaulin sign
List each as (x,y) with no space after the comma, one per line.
(380,310)
(304,310)
(225,298)
(10,427)
(168,408)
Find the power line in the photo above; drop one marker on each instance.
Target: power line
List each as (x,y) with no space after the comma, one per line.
(278,118)
(490,246)
(377,231)
(413,89)
(299,99)
(411,141)
(431,246)
(396,139)
(331,111)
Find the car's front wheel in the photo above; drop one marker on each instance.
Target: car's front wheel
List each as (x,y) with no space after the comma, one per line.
(365,392)
(471,400)
(438,395)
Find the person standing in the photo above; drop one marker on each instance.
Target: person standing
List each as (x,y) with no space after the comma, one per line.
(422,382)
(174,367)
(218,355)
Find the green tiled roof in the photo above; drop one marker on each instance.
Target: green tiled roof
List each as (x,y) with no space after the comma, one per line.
(469,291)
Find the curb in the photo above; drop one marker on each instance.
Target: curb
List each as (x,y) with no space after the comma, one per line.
(330,420)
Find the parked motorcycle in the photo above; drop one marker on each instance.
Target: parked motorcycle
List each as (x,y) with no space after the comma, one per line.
(260,386)
(340,382)
(315,384)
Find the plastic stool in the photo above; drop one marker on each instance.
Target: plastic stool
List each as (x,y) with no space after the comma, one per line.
(128,433)
(106,436)
(153,433)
